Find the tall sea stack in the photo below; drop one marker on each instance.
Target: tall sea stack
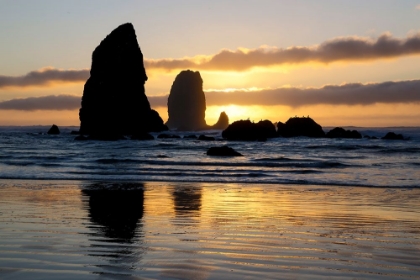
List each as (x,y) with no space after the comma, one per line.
(187,103)
(114,100)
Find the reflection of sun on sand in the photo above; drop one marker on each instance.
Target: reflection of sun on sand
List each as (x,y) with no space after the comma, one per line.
(208,231)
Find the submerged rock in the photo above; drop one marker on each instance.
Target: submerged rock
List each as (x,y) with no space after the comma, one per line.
(114,101)
(245,130)
(206,138)
(54,130)
(222,151)
(340,132)
(168,136)
(393,136)
(296,126)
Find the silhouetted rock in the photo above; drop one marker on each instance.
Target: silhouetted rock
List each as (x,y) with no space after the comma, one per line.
(393,136)
(114,100)
(192,136)
(339,132)
(168,136)
(106,137)
(222,122)
(206,138)
(54,130)
(248,131)
(222,151)
(187,103)
(142,136)
(296,126)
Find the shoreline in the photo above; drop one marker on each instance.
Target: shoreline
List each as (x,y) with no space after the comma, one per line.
(166,230)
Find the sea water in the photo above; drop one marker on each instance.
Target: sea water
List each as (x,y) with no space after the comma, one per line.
(30,153)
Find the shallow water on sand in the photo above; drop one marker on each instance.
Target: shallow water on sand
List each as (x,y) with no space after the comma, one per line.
(82,230)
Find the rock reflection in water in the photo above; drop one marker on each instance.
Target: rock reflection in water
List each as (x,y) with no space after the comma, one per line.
(115,212)
(187,205)
(187,201)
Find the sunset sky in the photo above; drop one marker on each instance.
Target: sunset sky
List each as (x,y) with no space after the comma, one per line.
(341,62)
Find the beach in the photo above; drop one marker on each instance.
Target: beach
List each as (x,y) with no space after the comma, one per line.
(161,230)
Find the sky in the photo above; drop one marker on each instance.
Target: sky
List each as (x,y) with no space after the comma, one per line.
(343,63)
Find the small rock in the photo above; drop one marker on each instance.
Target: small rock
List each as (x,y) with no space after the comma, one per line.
(54,130)
(223,151)
(393,136)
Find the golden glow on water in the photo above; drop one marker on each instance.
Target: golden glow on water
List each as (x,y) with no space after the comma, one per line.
(206,231)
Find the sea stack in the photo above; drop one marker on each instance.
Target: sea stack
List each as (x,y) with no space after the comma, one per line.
(222,123)
(114,100)
(187,103)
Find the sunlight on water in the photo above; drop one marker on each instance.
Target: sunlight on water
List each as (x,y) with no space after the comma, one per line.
(206,231)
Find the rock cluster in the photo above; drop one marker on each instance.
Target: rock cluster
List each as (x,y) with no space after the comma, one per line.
(245,130)
(300,127)
(340,132)
(114,100)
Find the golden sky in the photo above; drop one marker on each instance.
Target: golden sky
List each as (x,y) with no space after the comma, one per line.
(255,64)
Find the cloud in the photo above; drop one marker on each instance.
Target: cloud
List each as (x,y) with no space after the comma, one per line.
(44,76)
(418,7)
(347,94)
(338,49)
(51,102)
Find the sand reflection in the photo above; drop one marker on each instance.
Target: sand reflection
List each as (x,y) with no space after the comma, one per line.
(116,212)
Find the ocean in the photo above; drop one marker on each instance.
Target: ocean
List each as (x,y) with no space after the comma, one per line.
(296,208)
(29,153)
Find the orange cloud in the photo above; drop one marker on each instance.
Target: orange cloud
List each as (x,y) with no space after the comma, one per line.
(335,50)
(347,94)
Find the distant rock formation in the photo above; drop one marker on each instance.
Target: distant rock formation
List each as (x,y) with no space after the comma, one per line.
(393,136)
(222,123)
(187,104)
(300,127)
(54,130)
(223,151)
(245,130)
(114,100)
(340,132)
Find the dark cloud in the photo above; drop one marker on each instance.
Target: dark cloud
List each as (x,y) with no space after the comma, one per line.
(348,94)
(339,49)
(51,102)
(44,77)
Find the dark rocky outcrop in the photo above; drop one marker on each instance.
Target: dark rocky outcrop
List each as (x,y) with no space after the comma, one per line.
(296,126)
(222,122)
(393,136)
(206,138)
(340,132)
(54,130)
(114,102)
(187,103)
(245,130)
(222,151)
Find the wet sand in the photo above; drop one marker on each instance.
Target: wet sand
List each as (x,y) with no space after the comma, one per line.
(83,230)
